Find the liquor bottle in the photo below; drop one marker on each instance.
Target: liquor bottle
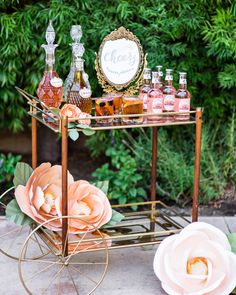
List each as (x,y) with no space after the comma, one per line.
(50,90)
(79,94)
(169,94)
(77,51)
(182,98)
(160,75)
(155,98)
(143,91)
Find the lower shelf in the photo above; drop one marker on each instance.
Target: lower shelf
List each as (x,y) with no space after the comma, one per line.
(142,228)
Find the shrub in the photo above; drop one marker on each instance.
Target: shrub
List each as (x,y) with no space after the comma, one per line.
(7,168)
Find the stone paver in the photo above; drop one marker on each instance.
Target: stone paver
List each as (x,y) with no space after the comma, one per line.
(130,271)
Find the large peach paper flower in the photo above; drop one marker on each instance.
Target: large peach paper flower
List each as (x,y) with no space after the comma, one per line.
(40,198)
(197,261)
(90,204)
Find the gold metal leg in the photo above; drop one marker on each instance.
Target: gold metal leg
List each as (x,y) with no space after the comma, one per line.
(154,175)
(64,160)
(197,164)
(34,143)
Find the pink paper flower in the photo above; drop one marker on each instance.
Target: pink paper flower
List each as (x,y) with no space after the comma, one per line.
(197,261)
(71,111)
(86,121)
(40,198)
(90,204)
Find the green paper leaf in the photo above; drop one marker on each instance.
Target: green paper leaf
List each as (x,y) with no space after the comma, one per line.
(74,135)
(14,213)
(83,126)
(88,132)
(22,173)
(103,185)
(232,241)
(116,217)
(71,125)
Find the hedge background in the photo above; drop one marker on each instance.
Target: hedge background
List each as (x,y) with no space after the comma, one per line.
(197,36)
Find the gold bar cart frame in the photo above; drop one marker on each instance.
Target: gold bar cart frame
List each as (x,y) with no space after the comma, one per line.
(60,125)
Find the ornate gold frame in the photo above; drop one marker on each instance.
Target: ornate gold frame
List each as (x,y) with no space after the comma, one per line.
(128,88)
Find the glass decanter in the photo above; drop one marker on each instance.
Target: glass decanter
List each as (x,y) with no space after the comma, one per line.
(50,90)
(79,94)
(77,52)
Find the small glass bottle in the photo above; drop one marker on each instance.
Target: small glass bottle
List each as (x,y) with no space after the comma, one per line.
(160,75)
(169,94)
(182,98)
(79,94)
(50,90)
(143,91)
(155,98)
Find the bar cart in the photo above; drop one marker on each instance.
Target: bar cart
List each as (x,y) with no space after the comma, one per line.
(52,262)
(142,228)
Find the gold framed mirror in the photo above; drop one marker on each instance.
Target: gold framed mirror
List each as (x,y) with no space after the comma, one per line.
(120,62)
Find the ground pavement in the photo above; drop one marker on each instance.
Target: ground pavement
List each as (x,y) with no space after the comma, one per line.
(130,271)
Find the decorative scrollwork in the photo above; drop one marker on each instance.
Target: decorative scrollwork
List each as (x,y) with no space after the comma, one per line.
(132,86)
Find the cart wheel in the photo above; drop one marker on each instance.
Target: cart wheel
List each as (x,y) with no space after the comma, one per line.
(80,272)
(12,236)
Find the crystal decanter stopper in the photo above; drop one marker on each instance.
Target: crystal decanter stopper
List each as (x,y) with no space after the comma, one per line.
(50,90)
(77,52)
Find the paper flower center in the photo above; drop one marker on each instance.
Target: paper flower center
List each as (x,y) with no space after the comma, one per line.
(83,208)
(197,266)
(49,199)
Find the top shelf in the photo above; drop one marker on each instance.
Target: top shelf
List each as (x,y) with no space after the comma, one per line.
(54,121)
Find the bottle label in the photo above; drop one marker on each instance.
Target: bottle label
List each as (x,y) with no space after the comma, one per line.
(182,105)
(147,76)
(156,105)
(169,102)
(169,78)
(155,80)
(56,82)
(85,92)
(144,97)
(182,81)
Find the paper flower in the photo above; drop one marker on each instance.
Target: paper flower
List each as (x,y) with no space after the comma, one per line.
(40,198)
(90,204)
(84,122)
(71,111)
(197,261)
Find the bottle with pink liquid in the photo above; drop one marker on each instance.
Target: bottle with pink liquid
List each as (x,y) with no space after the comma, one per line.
(155,98)
(143,91)
(182,98)
(169,94)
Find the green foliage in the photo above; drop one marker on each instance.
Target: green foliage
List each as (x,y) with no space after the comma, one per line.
(196,36)
(22,173)
(124,178)
(7,167)
(175,163)
(14,213)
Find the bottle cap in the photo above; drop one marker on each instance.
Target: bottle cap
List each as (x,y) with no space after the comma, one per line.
(76,33)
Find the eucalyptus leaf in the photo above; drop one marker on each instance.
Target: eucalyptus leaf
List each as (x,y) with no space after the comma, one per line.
(83,126)
(116,218)
(103,185)
(232,241)
(88,132)
(22,173)
(71,125)
(14,213)
(74,135)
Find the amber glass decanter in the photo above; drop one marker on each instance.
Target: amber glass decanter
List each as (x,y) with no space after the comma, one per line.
(77,52)
(79,94)
(50,90)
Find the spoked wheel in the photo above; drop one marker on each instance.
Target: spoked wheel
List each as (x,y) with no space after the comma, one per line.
(12,236)
(80,272)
